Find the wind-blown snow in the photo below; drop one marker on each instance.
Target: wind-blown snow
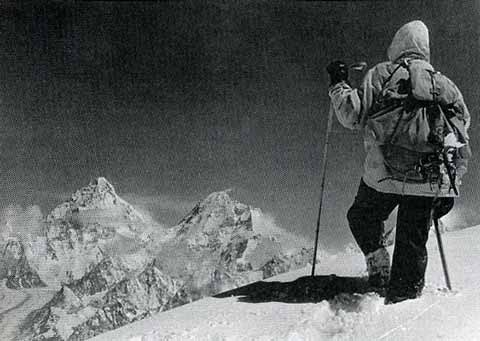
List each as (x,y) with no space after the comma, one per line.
(23,223)
(438,314)
(265,224)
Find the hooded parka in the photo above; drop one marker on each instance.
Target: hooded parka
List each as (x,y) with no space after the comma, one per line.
(354,109)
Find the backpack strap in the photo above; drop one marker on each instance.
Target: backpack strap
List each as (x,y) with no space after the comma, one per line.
(382,109)
(403,63)
(433,91)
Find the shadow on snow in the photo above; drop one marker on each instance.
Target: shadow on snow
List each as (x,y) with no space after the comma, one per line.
(303,290)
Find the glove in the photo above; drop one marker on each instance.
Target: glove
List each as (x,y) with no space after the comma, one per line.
(338,72)
(441,206)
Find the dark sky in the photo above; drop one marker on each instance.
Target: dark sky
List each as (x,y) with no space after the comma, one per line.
(171,101)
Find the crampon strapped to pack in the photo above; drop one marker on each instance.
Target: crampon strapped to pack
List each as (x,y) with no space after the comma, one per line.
(419,128)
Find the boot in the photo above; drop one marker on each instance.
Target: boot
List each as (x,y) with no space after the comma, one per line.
(392,299)
(396,294)
(378,268)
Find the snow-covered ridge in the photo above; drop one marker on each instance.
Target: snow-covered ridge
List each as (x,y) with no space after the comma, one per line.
(331,312)
(99,194)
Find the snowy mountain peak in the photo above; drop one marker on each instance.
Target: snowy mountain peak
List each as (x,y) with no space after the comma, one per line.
(218,198)
(218,214)
(99,188)
(102,183)
(98,195)
(79,232)
(216,201)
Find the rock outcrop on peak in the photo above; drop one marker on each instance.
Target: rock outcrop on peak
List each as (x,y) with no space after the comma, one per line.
(98,194)
(15,267)
(96,204)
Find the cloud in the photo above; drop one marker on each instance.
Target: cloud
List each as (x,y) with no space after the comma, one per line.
(165,209)
(148,218)
(20,222)
(265,224)
(160,201)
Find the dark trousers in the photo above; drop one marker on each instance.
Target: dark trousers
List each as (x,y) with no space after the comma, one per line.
(366,219)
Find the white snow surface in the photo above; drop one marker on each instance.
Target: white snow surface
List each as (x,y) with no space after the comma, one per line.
(437,315)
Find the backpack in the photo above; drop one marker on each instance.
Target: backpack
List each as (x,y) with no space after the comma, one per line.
(418,126)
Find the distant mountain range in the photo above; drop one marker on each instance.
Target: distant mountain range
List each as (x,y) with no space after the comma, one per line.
(112,267)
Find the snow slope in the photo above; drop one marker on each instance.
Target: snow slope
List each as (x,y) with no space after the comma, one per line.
(294,307)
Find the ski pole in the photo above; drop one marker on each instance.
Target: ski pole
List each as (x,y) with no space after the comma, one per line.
(442,254)
(359,67)
(322,184)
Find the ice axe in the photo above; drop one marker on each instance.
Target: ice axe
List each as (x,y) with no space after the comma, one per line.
(359,67)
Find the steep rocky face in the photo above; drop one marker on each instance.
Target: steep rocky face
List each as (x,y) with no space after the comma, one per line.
(130,300)
(93,223)
(96,204)
(70,306)
(216,248)
(213,221)
(109,296)
(282,263)
(207,243)
(16,268)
